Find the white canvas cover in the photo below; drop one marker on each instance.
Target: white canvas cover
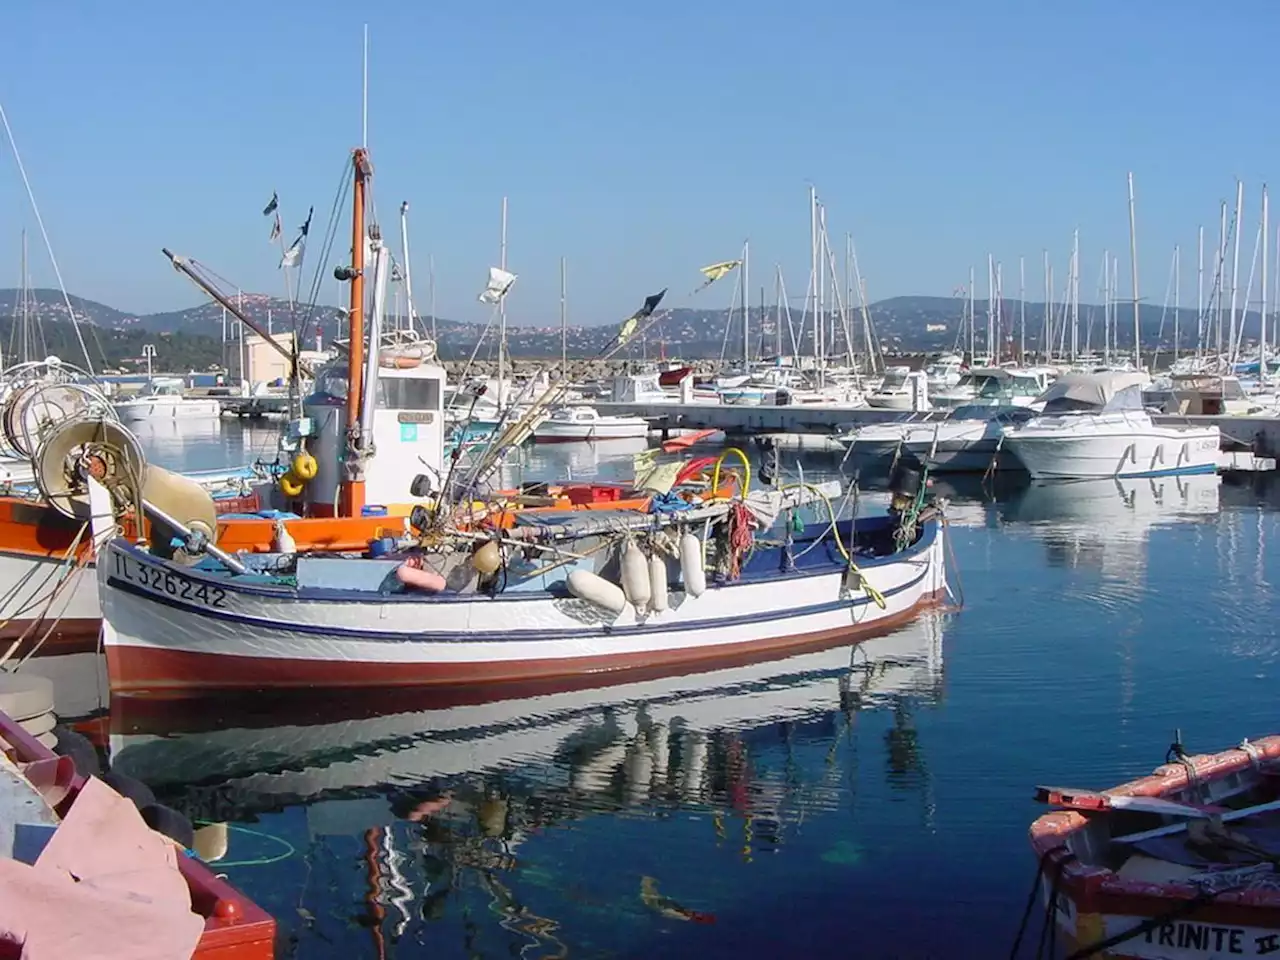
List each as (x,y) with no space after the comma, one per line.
(1094,391)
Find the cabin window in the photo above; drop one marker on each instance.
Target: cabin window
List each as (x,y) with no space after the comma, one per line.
(406,393)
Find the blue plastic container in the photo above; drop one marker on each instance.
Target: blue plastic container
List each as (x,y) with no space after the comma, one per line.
(373,510)
(381,546)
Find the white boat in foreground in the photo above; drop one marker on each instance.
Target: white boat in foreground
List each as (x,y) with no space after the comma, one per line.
(351,622)
(162,398)
(581,423)
(1094,425)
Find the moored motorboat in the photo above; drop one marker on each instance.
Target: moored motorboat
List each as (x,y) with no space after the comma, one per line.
(901,389)
(970,440)
(163,398)
(995,386)
(1180,863)
(1094,425)
(582,423)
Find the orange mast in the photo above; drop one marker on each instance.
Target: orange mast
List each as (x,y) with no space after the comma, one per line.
(351,495)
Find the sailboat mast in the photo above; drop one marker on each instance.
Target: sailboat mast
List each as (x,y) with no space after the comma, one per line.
(564,320)
(1235,266)
(813,266)
(1106,306)
(351,493)
(819,246)
(502,316)
(1177,298)
(1199,289)
(1048,301)
(1022,310)
(777,310)
(746,304)
(999,307)
(1133,269)
(26,300)
(1262,331)
(1075,295)
(1222,261)
(972,318)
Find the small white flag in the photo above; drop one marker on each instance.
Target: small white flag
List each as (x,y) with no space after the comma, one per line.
(499,283)
(293,256)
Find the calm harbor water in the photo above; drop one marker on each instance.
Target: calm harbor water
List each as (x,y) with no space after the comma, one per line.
(868,801)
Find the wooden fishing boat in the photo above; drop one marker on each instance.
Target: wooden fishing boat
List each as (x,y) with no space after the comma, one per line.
(447,604)
(233,925)
(330,621)
(1178,864)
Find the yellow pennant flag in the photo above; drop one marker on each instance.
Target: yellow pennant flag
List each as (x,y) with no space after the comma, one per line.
(717,270)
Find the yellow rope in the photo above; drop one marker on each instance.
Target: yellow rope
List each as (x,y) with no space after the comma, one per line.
(876,596)
(746,466)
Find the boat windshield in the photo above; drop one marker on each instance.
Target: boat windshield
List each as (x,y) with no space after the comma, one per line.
(1027,386)
(1129,398)
(989,386)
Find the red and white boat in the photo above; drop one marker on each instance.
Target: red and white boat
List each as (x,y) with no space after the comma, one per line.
(1177,865)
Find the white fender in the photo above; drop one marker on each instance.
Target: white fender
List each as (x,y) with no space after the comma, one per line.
(691,571)
(592,587)
(635,577)
(657,584)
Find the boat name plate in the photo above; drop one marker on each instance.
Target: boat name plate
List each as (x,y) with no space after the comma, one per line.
(166,582)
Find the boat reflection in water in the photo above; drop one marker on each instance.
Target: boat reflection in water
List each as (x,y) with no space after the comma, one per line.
(1107,523)
(502,800)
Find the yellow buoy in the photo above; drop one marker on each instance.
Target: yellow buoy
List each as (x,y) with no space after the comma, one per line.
(488,558)
(290,485)
(305,466)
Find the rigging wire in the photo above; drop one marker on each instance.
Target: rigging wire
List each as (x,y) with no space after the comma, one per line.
(326,248)
(44,233)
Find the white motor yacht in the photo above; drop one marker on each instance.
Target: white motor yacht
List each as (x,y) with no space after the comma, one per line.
(995,387)
(162,398)
(1094,425)
(582,423)
(901,389)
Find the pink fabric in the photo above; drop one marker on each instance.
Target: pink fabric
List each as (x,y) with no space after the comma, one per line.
(106,887)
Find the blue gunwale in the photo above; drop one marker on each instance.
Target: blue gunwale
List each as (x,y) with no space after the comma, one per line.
(755,572)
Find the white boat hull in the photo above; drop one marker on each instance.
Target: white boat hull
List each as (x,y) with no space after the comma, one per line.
(168,408)
(47,603)
(552,432)
(890,401)
(171,632)
(1129,445)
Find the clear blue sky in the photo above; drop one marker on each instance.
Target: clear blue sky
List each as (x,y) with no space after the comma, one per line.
(640,141)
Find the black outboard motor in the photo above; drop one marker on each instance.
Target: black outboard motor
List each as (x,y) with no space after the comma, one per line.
(905,482)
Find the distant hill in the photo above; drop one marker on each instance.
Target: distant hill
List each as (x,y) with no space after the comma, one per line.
(901,325)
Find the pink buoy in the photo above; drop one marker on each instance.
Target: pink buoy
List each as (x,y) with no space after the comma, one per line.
(411,574)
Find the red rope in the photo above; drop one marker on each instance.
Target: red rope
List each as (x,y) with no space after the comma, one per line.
(741,536)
